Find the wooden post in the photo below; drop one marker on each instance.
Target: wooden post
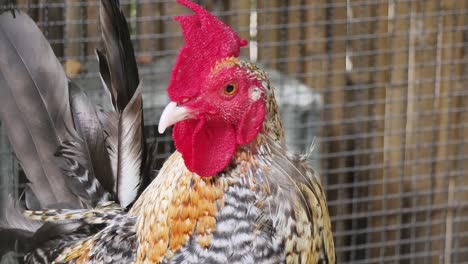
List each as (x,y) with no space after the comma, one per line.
(54,32)
(380,80)
(25,5)
(73,33)
(93,28)
(443,119)
(456,240)
(72,28)
(419,127)
(448,139)
(333,118)
(458,178)
(242,23)
(149,15)
(172,39)
(21,4)
(361,72)
(315,49)
(292,45)
(269,33)
(395,122)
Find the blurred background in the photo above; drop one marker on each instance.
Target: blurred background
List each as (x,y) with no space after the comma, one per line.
(378,86)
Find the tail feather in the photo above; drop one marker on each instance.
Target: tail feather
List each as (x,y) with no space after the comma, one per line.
(17,240)
(125,146)
(119,54)
(131,144)
(124,126)
(15,219)
(104,74)
(74,155)
(34,105)
(110,121)
(30,199)
(94,148)
(75,164)
(51,230)
(44,113)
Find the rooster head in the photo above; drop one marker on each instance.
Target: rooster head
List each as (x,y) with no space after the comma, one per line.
(217,101)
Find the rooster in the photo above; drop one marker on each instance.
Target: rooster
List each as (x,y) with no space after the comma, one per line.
(231,193)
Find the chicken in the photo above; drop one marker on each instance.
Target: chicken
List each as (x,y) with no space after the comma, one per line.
(231,193)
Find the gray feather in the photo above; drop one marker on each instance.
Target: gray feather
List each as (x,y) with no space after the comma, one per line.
(91,130)
(125,147)
(16,220)
(110,121)
(32,203)
(45,115)
(74,160)
(34,105)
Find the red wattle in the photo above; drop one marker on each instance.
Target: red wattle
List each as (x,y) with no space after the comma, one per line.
(206,147)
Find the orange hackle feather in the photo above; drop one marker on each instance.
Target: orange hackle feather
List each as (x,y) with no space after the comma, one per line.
(173,207)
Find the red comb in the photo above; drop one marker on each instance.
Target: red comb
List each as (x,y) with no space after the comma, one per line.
(207,40)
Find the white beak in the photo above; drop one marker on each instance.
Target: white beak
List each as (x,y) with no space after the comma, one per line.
(171,115)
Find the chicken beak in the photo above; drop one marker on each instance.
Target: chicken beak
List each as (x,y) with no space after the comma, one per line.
(171,115)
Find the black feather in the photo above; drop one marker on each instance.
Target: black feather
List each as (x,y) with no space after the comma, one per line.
(105,76)
(17,240)
(119,54)
(51,230)
(124,127)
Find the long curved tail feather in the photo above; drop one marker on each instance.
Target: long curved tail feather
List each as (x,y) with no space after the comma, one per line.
(34,106)
(124,125)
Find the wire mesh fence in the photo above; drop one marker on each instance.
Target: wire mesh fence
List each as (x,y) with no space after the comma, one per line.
(381,84)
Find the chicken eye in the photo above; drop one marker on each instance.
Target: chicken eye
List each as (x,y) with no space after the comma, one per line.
(230,89)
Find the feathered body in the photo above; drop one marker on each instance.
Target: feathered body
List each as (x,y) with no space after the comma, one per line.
(267,206)
(231,193)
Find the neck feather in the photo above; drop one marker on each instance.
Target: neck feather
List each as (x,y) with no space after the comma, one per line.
(272,126)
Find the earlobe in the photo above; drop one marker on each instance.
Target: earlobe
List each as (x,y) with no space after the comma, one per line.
(251,123)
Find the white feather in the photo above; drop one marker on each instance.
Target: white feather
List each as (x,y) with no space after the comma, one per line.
(130,150)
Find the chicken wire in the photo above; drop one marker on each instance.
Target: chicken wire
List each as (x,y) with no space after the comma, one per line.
(379,84)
